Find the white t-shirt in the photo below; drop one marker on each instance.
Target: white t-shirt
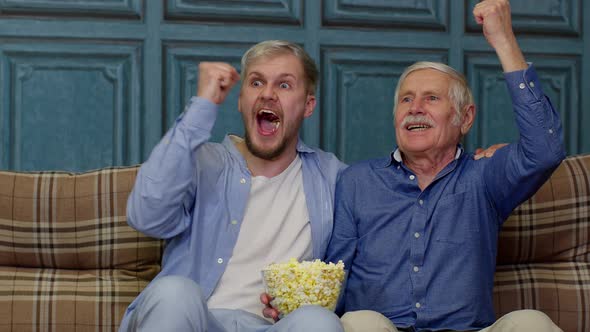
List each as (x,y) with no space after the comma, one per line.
(275,228)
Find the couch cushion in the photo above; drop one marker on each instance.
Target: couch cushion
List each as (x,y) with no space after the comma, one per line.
(554,224)
(68,259)
(560,290)
(71,221)
(544,250)
(34,299)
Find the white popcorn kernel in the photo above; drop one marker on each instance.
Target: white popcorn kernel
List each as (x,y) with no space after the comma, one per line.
(293,284)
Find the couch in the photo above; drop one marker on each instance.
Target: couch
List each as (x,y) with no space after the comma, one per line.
(69,262)
(543,257)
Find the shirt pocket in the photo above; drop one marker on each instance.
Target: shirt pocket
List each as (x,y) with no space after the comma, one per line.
(455,219)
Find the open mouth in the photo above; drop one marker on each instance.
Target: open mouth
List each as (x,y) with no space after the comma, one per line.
(418,127)
(268,122)
(418,123)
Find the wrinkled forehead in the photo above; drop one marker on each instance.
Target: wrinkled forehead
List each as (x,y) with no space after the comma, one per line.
(426,80)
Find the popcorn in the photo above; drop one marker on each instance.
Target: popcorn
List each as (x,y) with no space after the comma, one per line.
(294,284)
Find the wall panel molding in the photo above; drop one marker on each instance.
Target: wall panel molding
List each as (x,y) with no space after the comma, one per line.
(553,17)
(494,123)
(132,9)
(251,11)
(181,75)
(406,14)
(89,117)
(357,91)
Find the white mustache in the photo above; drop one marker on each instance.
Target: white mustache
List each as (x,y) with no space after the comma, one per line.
(414,119)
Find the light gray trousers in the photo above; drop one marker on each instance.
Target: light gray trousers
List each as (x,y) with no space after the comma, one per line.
(174,303)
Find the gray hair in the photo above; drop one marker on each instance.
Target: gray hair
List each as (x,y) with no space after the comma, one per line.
(280,47)
(459,91)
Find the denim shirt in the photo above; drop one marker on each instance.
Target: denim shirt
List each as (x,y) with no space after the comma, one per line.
(193,193)
(426,259)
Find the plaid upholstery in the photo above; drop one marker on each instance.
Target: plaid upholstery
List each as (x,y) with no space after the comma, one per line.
(68,260)
(544,250)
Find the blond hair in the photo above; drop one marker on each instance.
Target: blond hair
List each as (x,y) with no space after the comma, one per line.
(280,47)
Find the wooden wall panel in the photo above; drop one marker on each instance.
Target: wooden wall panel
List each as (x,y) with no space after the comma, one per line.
(252,11)
(81,8)
(181,82)
(71,106)
(560,78)
(407,14)
(57,55)
(561,17)
(357,105)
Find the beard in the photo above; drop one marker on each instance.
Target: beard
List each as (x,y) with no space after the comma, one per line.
(269,154)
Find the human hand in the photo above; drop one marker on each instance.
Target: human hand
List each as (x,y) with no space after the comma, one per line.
(489,152)
(494,17)
(269,311)
(216,80)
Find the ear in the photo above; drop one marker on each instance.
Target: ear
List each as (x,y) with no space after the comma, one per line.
(468,119)
(309,105)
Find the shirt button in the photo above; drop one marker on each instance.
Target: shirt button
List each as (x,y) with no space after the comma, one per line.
(532,84)
(242,181)
(220,260)
(234,222)
(416,269)
(418,305)
(416,235)
(421,202)
(398,167)
(521,86)
(412,177)
(550,131)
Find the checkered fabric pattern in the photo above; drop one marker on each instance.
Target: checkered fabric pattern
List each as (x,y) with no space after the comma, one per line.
(544,250)
(68,260)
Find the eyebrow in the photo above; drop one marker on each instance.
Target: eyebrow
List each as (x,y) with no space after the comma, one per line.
(283,75)
(425,93)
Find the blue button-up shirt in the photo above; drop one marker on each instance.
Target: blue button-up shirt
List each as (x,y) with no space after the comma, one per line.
(193,193)
(426,259)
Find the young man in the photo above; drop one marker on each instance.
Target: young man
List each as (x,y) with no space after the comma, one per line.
(418,229)
(227,210)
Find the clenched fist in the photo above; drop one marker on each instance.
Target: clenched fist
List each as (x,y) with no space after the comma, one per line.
(216,80)
(494,17)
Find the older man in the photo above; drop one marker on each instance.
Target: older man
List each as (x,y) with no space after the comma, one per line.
(418,229)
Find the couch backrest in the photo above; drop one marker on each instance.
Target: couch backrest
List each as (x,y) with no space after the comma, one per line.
(544,250)
(554,224)
(72,221)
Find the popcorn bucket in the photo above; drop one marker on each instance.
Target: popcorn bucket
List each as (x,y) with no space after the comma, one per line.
(294,284)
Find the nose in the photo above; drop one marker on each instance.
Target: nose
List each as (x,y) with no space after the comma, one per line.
(416,106)
(268,92)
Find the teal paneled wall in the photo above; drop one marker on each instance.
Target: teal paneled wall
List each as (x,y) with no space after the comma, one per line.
(87,84)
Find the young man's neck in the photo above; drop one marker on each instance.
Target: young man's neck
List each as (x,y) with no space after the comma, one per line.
(263,167)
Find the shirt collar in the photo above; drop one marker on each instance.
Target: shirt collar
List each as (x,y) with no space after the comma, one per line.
(396,156)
